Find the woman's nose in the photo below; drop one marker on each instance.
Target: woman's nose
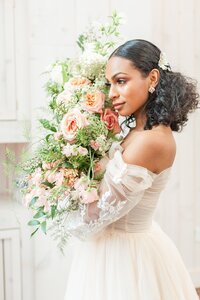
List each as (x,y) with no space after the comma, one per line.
(112,93)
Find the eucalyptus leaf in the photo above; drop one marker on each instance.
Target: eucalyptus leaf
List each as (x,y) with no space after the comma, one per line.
(44,226)
(39,214)
(34,231)
(34,199)
(33,222)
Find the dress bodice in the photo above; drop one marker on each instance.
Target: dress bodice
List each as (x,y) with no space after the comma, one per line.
(128,196)
(140,217)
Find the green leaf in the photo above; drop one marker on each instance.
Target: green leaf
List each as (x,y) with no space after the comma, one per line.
(67,165)
(64,73)
(53,211)
(81,41)
(33,222)
(47,137)
(34,199)
(39,214)
(46,124)
(34,231)
(44,226)
(51,185)
(53,104)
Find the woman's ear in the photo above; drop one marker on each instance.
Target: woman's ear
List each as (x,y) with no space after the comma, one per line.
(154,77)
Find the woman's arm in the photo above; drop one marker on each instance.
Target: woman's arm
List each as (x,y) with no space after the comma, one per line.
(121,189)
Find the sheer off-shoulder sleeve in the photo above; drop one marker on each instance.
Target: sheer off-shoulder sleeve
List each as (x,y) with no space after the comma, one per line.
(120,190)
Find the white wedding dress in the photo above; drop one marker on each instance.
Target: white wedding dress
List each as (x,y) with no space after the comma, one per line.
(121,253)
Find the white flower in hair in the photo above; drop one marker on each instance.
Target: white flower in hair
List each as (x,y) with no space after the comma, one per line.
(163,62)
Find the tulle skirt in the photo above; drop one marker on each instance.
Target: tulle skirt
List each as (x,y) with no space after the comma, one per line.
(118,265)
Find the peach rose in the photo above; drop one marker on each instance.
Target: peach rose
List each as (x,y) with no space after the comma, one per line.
(111,119)
(76,82)
(94,101)
(71,122)
(79,81)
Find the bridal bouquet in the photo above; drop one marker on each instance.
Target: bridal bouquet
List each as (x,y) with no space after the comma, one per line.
(67,166)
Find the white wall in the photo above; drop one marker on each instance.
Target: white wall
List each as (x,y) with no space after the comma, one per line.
(53,27)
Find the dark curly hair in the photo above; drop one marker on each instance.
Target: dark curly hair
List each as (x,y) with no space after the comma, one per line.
(175,95)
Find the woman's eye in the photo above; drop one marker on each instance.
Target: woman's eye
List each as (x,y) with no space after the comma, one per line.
(107,84)
(121,81)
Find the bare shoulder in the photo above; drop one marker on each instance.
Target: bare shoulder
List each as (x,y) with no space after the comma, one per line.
(152,149)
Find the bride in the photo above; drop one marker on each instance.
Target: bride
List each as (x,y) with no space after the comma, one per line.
(121,253)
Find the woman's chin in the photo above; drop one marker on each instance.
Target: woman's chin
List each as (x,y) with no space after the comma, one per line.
(122,113)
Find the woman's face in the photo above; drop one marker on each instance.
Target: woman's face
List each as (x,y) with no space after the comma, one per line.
(128,87)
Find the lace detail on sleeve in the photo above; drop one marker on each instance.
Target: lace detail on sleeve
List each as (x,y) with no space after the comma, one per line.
(120,190)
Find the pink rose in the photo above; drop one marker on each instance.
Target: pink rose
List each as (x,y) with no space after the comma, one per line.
(81,184)
(71,122)
(60,176)
(64,97)
(100,166)
(37,177)
(95,145)
(82,150)
(57,177)
(94,101)
(67,150)
(111,119)
(50,176)
(89,196)
(42,201)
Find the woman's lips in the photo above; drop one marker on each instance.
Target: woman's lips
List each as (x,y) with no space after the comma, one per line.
(117,106)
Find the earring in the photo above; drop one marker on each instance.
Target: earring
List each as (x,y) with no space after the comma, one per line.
(151,89)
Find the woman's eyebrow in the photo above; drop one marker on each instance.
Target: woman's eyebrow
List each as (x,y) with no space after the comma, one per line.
(116,75)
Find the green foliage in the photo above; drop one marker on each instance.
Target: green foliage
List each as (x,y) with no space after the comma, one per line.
(53,211)
(48,184)
(31,164)
(53,88)
(46,124)
(39,214)
(91,132)
(81,41)
(10,163)
(91,65)
(34,231)
(55,194)
(80,162)
(50,151)
(44,227)
(53,104)
(33,222)
(33,201)
(102,36)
